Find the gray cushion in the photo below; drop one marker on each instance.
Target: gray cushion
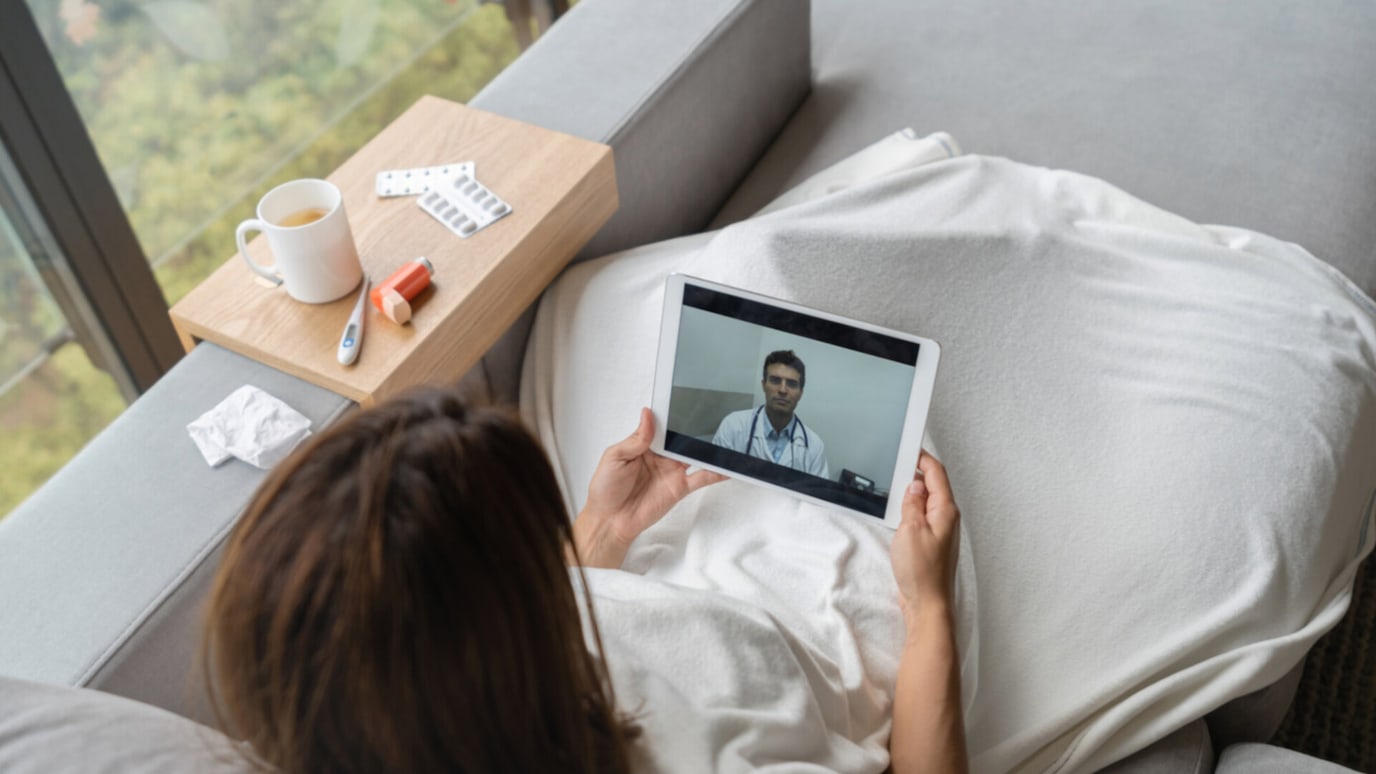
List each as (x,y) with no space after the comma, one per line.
(102,569)
(1254,113)
(46,729)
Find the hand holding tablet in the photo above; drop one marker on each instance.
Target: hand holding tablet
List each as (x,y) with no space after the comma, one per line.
(827,409)
(630,491)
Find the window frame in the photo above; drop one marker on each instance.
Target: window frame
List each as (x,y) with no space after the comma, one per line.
(96,270)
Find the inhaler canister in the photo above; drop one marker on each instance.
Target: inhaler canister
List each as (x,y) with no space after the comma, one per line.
(393,297)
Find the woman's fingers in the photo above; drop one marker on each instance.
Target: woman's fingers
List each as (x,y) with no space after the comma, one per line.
(934,473)
(942,513)
(915,502)
(702,478)
(638,442)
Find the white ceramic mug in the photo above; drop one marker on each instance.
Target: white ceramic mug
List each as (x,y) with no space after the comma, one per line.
(309,236)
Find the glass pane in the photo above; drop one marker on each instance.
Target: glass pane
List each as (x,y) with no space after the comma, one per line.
(30,320)
(52,400)
(197,107)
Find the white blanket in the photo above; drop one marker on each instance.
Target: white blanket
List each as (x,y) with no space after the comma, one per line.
(1161,436)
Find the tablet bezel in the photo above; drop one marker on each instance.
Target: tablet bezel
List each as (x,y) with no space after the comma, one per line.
(914,419)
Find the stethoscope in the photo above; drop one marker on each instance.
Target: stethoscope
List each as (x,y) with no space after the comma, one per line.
(754,421)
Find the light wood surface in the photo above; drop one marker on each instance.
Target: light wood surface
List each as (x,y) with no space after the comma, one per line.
(561,190)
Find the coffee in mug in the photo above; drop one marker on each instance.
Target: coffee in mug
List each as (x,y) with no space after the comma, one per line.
(309,236)
(302,217)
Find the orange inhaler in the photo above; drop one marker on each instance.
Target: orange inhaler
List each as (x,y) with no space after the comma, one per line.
(393,297)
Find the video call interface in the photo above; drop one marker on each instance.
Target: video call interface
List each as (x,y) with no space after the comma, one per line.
(798,401)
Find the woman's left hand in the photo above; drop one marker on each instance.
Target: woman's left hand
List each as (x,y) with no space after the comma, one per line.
(631,489)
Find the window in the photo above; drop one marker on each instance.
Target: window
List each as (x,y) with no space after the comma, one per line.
(195,108)
(53,399)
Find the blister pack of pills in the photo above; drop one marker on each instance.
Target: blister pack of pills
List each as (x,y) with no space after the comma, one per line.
(418,180)
(464,205)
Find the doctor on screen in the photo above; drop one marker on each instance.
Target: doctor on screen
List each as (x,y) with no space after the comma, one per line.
(773,431)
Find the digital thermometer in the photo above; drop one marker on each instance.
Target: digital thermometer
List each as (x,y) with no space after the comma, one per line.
(352,339)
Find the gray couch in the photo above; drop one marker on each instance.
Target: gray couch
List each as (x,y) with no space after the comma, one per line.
(712,108)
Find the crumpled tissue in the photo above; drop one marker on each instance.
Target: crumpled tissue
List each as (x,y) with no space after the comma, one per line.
(251,425)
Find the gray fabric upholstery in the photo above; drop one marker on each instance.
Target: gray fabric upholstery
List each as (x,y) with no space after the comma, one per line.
(46,729)
(103,568)
(1265,759)
(1187,751)
(688,95)
(1254,113)
(158,661)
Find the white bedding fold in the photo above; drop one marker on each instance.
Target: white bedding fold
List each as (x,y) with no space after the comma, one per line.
(1161,435)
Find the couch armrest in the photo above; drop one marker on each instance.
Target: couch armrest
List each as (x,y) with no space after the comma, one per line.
(688,96)
(104,568)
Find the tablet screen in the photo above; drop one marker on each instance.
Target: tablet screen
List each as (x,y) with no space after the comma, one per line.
(810,404)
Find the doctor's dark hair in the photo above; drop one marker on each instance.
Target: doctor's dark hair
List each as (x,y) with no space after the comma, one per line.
(785,357)
(396,598)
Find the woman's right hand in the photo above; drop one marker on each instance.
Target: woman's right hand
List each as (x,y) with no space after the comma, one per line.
(925,546)
(928,727)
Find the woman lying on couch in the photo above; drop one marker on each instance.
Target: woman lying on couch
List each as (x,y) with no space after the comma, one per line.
(397,598)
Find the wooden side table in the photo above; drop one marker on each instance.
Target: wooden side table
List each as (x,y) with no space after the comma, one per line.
(561,190)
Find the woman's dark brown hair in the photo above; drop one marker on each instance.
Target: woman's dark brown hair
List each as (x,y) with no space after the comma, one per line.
(396,598)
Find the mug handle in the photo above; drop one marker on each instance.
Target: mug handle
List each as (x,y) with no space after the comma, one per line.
(270,272)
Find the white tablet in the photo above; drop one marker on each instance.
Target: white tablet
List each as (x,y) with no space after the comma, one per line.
(824,408)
